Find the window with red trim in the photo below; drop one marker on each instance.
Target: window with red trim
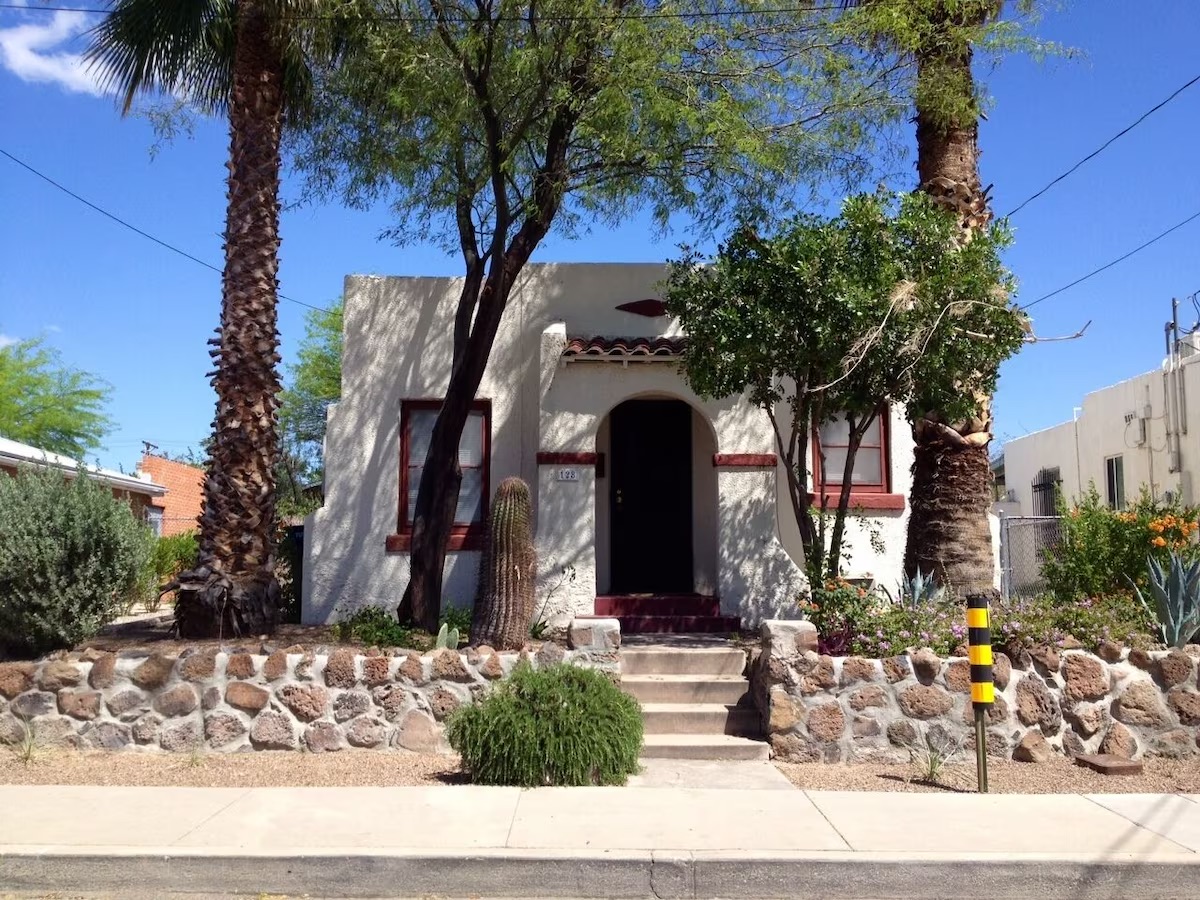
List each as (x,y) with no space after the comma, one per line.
(474,458)
(870,474)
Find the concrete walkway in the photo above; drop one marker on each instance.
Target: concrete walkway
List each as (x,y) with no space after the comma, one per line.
(596,842)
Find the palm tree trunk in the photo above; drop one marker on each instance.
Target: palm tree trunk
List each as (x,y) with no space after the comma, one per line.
(233,591)
(948,530)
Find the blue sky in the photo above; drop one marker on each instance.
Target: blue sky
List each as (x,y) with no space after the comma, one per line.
(138,316)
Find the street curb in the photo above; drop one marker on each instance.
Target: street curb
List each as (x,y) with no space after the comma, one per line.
(668,875)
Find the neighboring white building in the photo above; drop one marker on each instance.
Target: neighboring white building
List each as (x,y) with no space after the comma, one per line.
(1140,432)
(640,487)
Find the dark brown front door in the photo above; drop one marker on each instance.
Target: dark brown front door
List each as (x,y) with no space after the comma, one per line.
(651,497)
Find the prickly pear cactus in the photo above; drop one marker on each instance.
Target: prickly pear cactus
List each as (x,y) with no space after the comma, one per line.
(505,602)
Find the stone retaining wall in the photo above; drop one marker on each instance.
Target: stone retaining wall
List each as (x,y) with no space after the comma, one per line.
(288,699)
(822,708)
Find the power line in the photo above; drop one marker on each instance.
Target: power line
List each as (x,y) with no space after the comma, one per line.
(134,228)
(1109,265)
(699,14)
(1120,134)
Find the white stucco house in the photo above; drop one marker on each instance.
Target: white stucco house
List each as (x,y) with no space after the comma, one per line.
(1142,432)
(669,510)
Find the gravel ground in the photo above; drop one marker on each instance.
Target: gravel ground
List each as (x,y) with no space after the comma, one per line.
(1057,776)
(349,768)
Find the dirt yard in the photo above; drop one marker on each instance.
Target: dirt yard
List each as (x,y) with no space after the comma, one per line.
(1057,776)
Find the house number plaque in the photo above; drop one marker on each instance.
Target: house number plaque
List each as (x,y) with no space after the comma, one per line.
(568,474)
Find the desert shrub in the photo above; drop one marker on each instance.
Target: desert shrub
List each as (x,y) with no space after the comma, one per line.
(894,627)
(840,611)
(376,626)
(1102,551)
(71,558)
(562,725)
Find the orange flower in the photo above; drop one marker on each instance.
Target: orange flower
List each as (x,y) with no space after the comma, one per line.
(1159,542)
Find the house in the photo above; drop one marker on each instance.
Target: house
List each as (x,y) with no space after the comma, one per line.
(140,491)
(649,501)
(178,510)
(1143,432)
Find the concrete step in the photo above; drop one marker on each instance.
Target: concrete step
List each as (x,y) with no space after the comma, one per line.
(657,605)
(700,718)
(732,690)
(689,661)
(703,746)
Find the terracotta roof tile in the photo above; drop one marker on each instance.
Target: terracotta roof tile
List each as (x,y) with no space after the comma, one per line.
(623,348)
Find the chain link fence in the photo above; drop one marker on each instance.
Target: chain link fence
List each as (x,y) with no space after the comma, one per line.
(1025,542)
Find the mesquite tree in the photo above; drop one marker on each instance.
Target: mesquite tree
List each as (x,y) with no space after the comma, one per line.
(490,123)
(839,317)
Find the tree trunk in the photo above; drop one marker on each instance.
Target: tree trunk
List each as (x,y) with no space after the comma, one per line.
(949,535)
(233,590)
(948,530)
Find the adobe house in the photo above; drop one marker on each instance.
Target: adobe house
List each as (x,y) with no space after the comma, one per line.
(650,503)
(141,492)
(179,509)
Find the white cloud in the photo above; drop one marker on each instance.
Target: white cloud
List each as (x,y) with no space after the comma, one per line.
(53,329)
(7,340)
(35,52)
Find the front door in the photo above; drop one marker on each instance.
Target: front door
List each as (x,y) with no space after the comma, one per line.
(651,497)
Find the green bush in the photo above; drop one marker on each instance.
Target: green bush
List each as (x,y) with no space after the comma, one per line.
(562,725)
(839,610)
(1102,551)
(174,554)
(71,558)
(376,626)
(457,617)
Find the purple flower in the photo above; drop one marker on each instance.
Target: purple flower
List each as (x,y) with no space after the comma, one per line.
(884,645)
(905,634)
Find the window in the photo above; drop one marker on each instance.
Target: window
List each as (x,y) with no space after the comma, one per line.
(1114,481)
(870,473)
(474,458)
(1045,492)
(154,518)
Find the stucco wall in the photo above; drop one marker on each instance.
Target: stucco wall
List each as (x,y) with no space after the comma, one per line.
(1080,447)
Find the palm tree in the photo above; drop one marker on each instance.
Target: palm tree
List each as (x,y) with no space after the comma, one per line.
(948,530)
(242,58)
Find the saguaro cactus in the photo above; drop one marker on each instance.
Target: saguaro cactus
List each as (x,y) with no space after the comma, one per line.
(505,601)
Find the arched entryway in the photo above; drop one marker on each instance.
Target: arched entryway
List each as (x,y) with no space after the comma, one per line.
(656,501)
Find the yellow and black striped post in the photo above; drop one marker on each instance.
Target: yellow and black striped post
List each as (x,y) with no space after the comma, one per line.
(983,690)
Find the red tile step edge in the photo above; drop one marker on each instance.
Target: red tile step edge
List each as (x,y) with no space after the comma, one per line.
(675,624)
(657,605)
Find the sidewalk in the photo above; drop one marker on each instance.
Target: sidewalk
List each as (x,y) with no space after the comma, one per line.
(597,842)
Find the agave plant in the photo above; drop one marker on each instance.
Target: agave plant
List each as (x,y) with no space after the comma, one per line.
(1176,596)
(917,591)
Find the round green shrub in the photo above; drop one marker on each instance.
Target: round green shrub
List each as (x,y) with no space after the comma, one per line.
(71,557)
(562,725)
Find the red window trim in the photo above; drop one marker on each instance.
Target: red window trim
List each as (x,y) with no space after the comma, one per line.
(883,486)
(745,460)
(462,536)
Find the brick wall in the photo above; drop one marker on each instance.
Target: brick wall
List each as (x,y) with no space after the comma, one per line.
(184,484)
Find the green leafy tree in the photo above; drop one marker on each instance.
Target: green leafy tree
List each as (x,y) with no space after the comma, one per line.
(837,317)
(490,125)
(49,405)
(249,61)
(316,382)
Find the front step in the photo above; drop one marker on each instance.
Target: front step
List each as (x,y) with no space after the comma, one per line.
(700,718)
(617,605)
(708,661)
(731,690)
(703,746)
